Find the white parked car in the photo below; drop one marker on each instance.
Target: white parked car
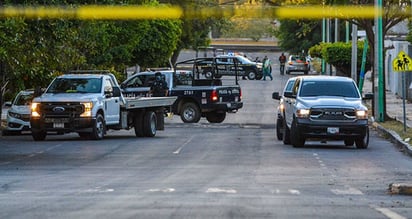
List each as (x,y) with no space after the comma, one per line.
(18,116)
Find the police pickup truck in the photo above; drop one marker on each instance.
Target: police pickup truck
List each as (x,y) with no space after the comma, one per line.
(196,97)
(90,103)
(230,65)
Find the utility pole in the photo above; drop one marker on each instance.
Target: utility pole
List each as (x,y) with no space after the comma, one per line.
(354,64)
(378,67)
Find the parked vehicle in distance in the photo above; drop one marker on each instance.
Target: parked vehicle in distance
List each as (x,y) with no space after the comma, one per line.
(18,116)
(297,63)
(281,108)
(325,108)
(227,65)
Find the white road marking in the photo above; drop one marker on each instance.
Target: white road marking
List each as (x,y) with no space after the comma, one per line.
(294,192)
(166,190)
(183,145)
(388,213)
(347,191)
(218,190)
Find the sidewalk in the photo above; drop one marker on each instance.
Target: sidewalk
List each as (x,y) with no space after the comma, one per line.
(394,104)
(395,110)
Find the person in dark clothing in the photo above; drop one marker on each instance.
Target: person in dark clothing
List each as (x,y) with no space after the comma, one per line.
(282,61)
(159,87)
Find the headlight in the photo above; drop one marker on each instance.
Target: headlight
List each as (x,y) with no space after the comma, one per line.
(35,111)
(15,115)
(362,114)
(303,113)
(87,109)
(281,107)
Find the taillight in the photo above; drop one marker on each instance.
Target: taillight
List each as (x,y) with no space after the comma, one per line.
(240,94)
(214,96)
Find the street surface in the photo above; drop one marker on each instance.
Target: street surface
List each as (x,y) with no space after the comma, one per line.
(236,169)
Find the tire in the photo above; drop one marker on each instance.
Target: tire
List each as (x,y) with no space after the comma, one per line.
(349,142)
(362,142)
(208,73)
(297,139)
(251,75)
(215,117)
(149,124)
(190,113)
(279,134)
(138,124)
(286,134)
(99,128)
(38,135)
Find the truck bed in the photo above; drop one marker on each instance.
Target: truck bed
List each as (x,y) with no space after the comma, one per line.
(143,102)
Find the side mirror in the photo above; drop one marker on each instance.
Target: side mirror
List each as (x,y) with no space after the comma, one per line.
(368,96)
(116,92)
(275,96)
(7,104)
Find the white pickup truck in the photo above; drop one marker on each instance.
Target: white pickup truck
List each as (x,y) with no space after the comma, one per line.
(90,104)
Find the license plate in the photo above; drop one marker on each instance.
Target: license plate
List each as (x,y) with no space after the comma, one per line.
(333,130)
(58,125)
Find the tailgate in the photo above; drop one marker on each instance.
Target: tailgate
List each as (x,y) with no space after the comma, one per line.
(229,94)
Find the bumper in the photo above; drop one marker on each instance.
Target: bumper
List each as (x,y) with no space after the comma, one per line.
(66,125)
(226,106)
(297,68)
(332,130)
(14,124)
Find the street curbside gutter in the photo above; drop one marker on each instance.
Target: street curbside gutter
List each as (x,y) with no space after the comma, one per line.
(403,146)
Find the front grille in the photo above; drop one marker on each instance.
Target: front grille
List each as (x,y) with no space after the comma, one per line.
(61,110)
(345,114)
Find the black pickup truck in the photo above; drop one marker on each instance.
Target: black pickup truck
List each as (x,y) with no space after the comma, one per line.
(196,97)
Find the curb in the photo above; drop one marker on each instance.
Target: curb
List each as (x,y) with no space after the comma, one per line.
(402,145)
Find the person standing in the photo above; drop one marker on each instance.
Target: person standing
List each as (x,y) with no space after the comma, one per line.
(159,87)
(282,61)
(267,68)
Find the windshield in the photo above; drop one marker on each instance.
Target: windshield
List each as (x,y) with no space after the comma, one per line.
(75,85)
(329,88)
(244,60)
(23,99)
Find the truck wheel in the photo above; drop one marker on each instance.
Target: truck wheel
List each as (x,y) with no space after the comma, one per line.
(286,134)
(98,128)
(215,117)
(190,113)
(138,124)
(38,135)
(296,138)
(362,142)
(149,124)
(279,124)
(251,75)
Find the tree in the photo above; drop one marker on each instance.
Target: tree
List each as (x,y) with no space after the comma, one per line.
(296,36)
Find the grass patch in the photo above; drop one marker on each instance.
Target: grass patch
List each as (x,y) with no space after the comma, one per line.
(398,128)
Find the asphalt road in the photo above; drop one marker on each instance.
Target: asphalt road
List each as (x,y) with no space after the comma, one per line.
(236,169)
